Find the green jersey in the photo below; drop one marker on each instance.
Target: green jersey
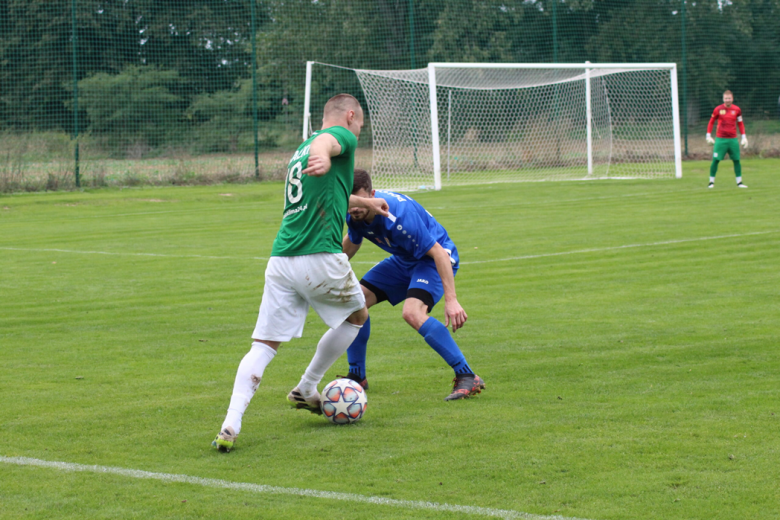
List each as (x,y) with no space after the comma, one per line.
(315,207)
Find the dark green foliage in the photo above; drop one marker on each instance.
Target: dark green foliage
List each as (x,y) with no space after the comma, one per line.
(207,44)
(141,104)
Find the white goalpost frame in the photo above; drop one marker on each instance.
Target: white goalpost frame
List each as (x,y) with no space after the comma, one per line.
(307,101)
(589,119)
(676,124)
(587,67)
(434,126)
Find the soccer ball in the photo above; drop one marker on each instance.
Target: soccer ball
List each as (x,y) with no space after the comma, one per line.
(343,401)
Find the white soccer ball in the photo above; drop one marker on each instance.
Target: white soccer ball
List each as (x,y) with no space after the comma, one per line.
(343,401)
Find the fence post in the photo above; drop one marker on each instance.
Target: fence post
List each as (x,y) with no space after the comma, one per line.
(411,32)
(254,85)
(75,94)
(555,30)
(684,80)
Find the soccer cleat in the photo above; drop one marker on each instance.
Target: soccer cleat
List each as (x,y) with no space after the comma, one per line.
(363,382)
(740,185)
(312,404)
(225,439)
(711,185)
(465,386)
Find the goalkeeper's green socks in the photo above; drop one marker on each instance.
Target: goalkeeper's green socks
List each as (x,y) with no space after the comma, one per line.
(713,169)
(713,172)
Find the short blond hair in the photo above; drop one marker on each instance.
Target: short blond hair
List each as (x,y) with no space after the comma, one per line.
(341,103)
(730,93)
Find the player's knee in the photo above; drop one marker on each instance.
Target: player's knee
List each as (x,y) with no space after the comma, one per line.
(414,316)
(369,295)
(358,317)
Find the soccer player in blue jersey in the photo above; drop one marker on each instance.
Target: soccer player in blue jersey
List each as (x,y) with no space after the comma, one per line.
(420,271)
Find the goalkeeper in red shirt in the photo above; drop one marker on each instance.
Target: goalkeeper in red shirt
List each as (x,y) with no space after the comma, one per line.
(728,115)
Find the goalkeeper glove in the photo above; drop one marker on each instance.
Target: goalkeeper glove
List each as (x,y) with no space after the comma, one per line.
(709,139)
(744,141)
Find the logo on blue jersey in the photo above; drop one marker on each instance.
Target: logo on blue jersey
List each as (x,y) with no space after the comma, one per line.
(420,280)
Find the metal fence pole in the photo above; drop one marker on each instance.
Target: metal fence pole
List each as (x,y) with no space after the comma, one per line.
(413,65)
(75,94)
(555,30)
(684,81)
(411,32)
(254,85)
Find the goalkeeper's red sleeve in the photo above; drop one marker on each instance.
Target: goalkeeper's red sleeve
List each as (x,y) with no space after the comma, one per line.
(712,122)
(740,124)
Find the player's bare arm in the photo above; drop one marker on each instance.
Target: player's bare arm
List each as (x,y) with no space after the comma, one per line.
(322,149)
(453,312)
(373,205)
(348,247)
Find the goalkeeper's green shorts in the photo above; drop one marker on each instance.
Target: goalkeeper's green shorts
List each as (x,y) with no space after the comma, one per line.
(725,146)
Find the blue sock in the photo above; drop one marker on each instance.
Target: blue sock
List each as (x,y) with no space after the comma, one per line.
(356,353)
(440,340)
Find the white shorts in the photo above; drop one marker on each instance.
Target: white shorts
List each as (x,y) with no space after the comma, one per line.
(324,281)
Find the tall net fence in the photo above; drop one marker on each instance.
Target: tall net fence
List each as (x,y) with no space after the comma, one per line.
(186,91)
(513,124)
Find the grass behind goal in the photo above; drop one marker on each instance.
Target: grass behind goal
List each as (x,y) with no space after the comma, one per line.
(626,330)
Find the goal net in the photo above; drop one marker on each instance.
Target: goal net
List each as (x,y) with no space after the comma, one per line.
(454,124)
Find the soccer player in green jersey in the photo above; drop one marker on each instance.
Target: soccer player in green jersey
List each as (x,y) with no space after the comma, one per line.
(728,115)
(307,266)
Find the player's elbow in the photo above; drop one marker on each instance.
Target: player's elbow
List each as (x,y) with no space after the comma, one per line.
(436,250)
(325,145)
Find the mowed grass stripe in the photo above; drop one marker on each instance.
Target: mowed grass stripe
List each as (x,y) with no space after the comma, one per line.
(275,490)
(474,262)
(622,384)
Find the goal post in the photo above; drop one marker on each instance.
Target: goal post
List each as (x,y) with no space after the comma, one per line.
(476,123)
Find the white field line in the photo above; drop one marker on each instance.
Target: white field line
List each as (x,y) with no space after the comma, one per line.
(615,248)
(651,194)
(129,254)
(648,194)
(473,262)
(275,490)
(133,214)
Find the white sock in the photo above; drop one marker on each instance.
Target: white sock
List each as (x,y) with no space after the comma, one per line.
(712,180)
(248,377)
(332,345)
(739,180)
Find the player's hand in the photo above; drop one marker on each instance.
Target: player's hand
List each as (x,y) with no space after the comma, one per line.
(318,166)
(455,314)
(709,139)
(379,206)
(744,141)
(358,205)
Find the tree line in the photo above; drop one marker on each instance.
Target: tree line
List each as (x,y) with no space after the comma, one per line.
(163,72)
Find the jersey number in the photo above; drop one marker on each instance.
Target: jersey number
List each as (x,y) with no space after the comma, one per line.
(294,180)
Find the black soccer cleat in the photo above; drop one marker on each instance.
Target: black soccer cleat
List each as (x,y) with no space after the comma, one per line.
(465,386)
(356,378)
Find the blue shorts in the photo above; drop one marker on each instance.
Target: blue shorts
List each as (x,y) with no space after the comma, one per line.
(394,280)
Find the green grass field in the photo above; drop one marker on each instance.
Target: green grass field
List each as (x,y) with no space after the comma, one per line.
(627,331)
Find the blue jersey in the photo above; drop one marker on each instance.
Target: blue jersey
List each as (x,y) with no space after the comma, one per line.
(409,232)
